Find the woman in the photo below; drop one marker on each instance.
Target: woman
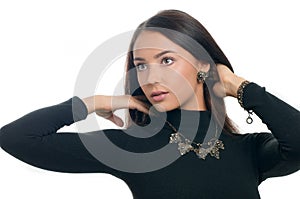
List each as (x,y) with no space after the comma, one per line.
(182,74)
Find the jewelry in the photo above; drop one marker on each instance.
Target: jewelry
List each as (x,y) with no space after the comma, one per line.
(201,76)
(240,93)
(185,145)
(249,119)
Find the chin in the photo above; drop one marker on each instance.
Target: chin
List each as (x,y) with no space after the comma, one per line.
(159,107)
(163,108)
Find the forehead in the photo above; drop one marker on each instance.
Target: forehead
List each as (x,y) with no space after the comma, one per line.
(154,41)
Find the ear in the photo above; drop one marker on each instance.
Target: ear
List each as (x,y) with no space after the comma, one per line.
(203,66)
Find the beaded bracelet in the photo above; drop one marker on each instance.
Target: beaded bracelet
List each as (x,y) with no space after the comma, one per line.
(240,93)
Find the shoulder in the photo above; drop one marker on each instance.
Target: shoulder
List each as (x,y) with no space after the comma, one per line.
(256,138)
(254,135)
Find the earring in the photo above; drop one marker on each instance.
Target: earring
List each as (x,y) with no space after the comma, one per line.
(201,76)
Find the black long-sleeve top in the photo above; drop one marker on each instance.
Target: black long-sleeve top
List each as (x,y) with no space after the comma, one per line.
(247,160)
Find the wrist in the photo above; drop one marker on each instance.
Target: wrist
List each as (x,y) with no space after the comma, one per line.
(90,103)
(234,85)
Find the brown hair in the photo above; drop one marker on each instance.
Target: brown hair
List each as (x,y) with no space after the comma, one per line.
(167,22)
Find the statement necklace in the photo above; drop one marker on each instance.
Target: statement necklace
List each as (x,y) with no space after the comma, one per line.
(202,150)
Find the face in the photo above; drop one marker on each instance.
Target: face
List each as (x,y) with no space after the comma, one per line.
(167,73)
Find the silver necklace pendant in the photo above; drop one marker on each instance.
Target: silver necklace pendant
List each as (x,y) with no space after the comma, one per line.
(185,146)
(213,150)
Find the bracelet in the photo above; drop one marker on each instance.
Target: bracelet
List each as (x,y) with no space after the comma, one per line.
(240,93)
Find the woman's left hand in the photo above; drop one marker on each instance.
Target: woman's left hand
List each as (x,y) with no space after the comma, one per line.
(229,82)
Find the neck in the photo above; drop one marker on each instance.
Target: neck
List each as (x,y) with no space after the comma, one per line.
(190,123)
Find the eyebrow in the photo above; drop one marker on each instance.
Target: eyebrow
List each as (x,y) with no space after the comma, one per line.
(155,56)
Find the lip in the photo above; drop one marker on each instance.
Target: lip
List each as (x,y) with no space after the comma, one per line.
(158,96)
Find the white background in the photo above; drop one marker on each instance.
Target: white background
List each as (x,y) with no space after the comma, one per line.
(43,46)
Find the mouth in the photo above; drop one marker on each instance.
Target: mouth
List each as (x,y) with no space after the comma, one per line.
(159,95)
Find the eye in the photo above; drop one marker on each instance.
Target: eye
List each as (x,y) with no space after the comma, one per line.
(167,60)
(141,67)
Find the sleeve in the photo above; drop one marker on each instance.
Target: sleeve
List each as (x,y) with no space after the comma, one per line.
(278,152)
(33,139)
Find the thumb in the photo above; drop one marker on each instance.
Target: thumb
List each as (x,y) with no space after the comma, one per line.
(219,90)
(115,119)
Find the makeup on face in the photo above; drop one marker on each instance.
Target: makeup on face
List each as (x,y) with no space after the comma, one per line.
(166,72)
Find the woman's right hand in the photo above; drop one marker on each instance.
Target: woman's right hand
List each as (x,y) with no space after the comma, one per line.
(105,105)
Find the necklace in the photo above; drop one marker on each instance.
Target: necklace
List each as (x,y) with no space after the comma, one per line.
(185,145)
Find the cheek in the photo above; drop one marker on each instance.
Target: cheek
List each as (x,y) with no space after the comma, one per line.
(180,79)
(139,77)
(142,83)
(183,79)
(145,90)
(188,85)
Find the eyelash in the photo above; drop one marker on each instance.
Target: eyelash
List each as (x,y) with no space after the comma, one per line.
(162,60)
(166,58)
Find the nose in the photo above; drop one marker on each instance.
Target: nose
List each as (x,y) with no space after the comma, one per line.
(154,74)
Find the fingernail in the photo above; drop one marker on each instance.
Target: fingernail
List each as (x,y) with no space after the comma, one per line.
(119,123)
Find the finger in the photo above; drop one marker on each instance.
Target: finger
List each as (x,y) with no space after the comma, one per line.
(141,106)
(115,119)
(221,66)
(140,97)
(129,102)
(103,114)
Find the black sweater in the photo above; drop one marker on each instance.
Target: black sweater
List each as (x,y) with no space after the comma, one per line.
(247,160)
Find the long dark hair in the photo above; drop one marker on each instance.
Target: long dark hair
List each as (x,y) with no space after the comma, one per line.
(167,22)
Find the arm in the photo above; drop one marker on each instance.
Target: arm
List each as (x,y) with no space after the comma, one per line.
(33,139)
(278,153)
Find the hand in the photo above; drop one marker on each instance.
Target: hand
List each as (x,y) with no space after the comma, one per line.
(229,82)
(104,106)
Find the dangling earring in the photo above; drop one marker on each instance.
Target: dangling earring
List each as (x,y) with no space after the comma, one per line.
(201,76)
